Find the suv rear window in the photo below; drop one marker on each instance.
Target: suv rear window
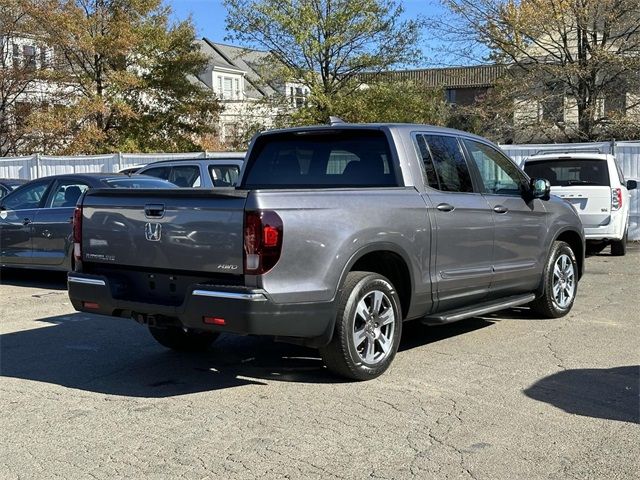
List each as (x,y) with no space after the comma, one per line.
(563,173)
(325,159)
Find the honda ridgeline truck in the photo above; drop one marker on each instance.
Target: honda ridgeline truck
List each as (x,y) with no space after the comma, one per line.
(334,236)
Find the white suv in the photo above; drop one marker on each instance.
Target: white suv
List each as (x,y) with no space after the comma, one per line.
(593,183)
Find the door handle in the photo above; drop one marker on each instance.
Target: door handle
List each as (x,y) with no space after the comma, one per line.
(500,209)
(152,210)
(445,207)
(26,221)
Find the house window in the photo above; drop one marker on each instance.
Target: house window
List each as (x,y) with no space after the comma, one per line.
(450,94)
(16,55)
(43,57)
(300,98)
(29,53)
(229,88)
(297,96)
(21,113)
(552,104)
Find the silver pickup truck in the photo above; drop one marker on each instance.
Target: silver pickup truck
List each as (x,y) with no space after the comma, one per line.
(333,238)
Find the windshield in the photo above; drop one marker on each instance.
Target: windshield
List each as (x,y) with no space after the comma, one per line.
(134,182)
(321,159)
(569,172)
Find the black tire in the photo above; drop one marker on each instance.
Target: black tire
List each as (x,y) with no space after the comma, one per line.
(176,338)
(546,304)
(619,247)
(594,248)
(341,355)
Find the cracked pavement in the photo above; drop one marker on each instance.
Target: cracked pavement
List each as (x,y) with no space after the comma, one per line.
(507,396)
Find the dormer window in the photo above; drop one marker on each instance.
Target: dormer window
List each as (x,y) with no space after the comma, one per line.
(229,88)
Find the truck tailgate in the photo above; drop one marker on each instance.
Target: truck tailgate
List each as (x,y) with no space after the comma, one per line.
(179,230)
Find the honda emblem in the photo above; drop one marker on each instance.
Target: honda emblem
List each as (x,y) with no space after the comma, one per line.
(152,231)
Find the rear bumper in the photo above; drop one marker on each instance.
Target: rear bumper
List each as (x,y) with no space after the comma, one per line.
(244,310)
(614,230)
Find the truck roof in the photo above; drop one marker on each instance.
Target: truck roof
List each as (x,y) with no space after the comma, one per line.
(411,127)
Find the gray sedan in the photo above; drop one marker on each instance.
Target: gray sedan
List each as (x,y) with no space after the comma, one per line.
(35,219)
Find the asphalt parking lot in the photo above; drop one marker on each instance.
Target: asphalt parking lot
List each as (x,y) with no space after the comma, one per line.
(509,396)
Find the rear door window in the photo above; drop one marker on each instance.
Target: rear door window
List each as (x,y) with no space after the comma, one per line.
(316,159)
(445,166)
(570,172)
(185,176)
(66,193)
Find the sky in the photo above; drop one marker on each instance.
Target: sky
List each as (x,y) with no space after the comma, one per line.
(209,16)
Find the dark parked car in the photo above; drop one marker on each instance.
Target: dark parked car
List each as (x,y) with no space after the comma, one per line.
(8,185)
(36,218)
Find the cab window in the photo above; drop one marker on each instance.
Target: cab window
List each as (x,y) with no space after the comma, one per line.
(498,174)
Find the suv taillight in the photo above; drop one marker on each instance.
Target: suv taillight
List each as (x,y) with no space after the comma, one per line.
(616,198)
(262,241)
(77,234)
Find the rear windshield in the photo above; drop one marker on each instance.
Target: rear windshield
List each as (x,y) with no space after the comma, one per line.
(139,183)
(327,159)
(563,173)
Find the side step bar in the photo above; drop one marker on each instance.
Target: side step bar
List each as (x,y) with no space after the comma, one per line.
(476,310)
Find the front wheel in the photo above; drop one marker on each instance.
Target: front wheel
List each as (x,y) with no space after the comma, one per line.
(177,338)
(560,282)
(368,328)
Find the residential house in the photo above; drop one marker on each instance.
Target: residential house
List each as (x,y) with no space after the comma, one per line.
(242,79)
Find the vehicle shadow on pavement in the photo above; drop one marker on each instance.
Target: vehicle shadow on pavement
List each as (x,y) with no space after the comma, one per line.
(608,393)
(415,334)
(116,356)
(33,278)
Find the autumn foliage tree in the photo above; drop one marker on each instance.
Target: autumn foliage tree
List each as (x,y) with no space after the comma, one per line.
(129,75)
(565,59)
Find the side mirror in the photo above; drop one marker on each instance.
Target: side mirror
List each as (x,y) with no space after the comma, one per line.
(632,184)
(540,188)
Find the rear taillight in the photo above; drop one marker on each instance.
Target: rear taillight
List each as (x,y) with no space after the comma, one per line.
(77,234)
(616,198)
(262,241)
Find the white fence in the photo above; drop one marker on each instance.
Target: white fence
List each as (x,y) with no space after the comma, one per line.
(36,166)
(627,155)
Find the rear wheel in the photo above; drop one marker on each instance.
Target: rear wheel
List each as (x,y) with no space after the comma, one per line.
(177,338)
(368,328)
(619,247)
(560,283)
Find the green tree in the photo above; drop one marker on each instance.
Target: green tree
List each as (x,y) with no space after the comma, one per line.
(326,44)
(572,64)
(383,101)
(130,77)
